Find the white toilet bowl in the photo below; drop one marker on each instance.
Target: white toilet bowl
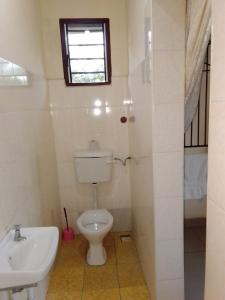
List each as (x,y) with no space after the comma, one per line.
(94,225)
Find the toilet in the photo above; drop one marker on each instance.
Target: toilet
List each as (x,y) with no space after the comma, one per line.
(94,225)
(94,166)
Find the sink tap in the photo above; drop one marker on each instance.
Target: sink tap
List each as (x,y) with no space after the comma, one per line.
(18,237)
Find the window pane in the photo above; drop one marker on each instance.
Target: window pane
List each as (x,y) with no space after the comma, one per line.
(94,65)
(85,38)
(85,43)
(88,78)
(86,51)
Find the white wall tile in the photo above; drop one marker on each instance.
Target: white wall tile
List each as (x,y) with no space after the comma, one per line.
(156,142)
(216,153)
(169,218)
(109,95)
(169,259)
(77,120)
(215,249)
(168,174)
(168,131)
(170,289)
(168,24)
(27,158)
(168,76)
(217,50)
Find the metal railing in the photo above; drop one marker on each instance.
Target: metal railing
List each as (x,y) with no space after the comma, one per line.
(197,133)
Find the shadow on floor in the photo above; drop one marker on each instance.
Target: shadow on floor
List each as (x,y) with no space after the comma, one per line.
(194,262)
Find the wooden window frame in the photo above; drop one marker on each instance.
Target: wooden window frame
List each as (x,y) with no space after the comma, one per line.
(63,23)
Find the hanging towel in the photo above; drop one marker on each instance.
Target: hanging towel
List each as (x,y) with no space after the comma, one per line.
(195,176)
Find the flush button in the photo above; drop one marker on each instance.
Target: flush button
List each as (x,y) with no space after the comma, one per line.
(123,119)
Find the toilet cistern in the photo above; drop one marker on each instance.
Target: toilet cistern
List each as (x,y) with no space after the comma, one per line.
(92,166)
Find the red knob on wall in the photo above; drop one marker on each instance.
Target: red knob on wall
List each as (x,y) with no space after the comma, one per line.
(123,119)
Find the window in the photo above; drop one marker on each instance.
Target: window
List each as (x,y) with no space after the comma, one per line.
(86,51)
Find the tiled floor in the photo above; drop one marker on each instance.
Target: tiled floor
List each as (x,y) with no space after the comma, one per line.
(121,278)
(194,262)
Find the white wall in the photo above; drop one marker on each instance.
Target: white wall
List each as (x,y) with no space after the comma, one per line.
(156,138)
(116,10)
(168,121)
(215,248)
(140,129)
(74,121)
(20,33)
(28,182)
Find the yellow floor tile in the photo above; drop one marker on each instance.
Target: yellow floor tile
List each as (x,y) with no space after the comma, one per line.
(126,252)
(78,245)
(72,279)
(64,295)
(70,261)
(111,255)
(109,240)
(64,278)
(110,294)
(104,277)
(135,293)
(130,275)
(72,254)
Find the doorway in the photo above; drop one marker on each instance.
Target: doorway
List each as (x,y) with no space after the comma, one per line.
(195,199)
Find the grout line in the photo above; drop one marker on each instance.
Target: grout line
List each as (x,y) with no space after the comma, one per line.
(84,266)
(117,271)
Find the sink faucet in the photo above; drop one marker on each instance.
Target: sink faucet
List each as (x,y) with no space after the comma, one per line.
(18,237)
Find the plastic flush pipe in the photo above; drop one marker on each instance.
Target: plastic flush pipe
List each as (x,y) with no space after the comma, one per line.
(95,197)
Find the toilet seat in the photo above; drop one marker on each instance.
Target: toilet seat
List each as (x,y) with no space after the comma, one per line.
(95,220)
(94,225)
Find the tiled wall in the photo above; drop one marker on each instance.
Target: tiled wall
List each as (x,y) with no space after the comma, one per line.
(28,194)
(28,180)
(215,249)
(156,139)
(140,138)
(76,123)
(77,116)
(168,121)
(115,10)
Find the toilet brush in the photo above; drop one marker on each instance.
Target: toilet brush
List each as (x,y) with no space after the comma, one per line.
(68,233)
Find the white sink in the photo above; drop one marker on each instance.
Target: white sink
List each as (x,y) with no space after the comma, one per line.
(29,261)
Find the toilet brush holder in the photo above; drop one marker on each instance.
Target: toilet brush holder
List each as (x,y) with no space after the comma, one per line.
(68,234)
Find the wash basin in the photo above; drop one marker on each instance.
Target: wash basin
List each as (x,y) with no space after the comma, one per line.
(27,262)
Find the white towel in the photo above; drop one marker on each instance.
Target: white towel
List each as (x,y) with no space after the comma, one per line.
(195,176)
